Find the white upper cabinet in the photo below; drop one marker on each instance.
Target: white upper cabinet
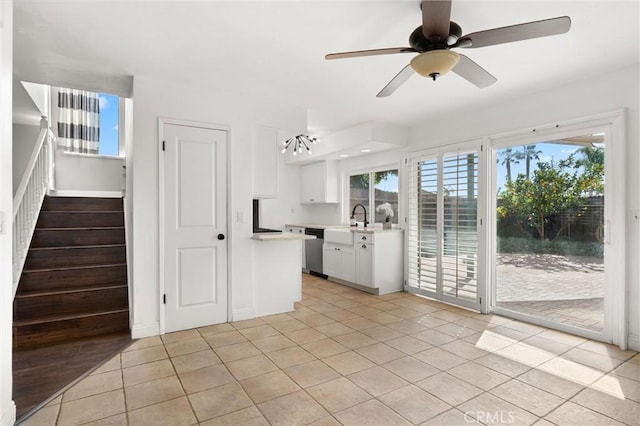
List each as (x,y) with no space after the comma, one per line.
(265,162)
(319,182)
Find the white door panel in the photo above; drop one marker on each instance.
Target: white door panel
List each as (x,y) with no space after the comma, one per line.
(195,259)
(196,266)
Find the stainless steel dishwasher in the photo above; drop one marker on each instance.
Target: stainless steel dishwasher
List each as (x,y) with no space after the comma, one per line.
(313,251)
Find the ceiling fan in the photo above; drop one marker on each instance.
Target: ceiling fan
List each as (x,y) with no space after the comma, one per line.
(437,35)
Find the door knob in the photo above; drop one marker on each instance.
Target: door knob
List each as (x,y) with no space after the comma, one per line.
(221,236)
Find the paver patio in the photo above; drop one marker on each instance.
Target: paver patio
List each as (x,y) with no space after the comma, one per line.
(567,289)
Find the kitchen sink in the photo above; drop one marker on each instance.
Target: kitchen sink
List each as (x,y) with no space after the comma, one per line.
(338,236)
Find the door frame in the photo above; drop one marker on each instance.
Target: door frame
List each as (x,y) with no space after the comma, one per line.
(615,301)
(161,205)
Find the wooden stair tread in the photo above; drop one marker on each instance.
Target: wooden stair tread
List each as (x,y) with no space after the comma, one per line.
(69,268)
(84,228)
(50,319)
(76,247)
(50,292)
(74,281)
(81,211)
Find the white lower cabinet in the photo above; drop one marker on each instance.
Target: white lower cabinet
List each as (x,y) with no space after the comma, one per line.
(300,231)
(364,264)
(374,260)
(339,261)
(379,260)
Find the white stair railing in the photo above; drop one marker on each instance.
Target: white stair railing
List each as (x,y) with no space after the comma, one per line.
(29,197)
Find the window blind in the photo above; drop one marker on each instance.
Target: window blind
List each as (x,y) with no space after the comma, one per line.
(442,228)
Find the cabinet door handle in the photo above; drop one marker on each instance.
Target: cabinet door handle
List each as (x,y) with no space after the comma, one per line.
(364,238)
(364,246)
(312,199)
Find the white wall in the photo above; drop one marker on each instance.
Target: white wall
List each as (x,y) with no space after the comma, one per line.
(84,173)
(153,99)
(24,139)
(39,94)
(7,407)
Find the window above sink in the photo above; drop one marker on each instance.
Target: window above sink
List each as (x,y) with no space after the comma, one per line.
(371,189)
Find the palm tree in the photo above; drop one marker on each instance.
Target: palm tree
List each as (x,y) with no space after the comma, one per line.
(509,156)
(592,160)
(591,156)
(529,152)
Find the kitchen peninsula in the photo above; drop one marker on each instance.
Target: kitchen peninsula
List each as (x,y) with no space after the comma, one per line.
(277,281)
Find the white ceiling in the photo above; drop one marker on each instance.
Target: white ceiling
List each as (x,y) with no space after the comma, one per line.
(276,50)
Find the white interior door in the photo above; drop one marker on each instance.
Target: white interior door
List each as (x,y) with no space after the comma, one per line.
(195,226)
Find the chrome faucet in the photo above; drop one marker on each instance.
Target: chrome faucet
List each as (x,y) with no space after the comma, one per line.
(353,213)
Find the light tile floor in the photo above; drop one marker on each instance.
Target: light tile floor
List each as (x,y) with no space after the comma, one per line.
(346,357)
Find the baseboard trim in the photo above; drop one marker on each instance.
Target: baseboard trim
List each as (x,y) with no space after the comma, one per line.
(79,193)
(145,330)
(634,342)
(9,416)
(366,289)
(243,314)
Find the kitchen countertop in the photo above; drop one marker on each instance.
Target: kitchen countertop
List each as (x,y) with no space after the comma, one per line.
(373,230)
(279,236)
(307,225)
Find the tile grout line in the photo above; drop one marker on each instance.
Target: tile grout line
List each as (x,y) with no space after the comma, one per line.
(173,367)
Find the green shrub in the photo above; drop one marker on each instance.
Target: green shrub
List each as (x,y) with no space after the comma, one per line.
(558,246)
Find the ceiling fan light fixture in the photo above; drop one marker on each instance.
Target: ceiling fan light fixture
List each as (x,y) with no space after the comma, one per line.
(434,63)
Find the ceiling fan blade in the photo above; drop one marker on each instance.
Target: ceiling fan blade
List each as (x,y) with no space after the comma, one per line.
(396,82)
(529,30)
(373,52)
(473,72)
(436,15)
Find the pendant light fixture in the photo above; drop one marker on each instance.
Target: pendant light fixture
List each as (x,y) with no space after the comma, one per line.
(299,143)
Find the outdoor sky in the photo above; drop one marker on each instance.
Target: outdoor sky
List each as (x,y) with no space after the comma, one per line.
(550,151)
(108,125)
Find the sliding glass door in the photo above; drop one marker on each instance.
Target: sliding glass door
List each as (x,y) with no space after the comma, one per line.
(558,228)
(443,228)
(553,250)
(550,242)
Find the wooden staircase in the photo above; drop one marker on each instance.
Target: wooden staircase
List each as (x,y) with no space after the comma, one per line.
(74,282)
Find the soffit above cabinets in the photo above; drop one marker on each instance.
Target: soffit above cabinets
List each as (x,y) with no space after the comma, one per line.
(358,140)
